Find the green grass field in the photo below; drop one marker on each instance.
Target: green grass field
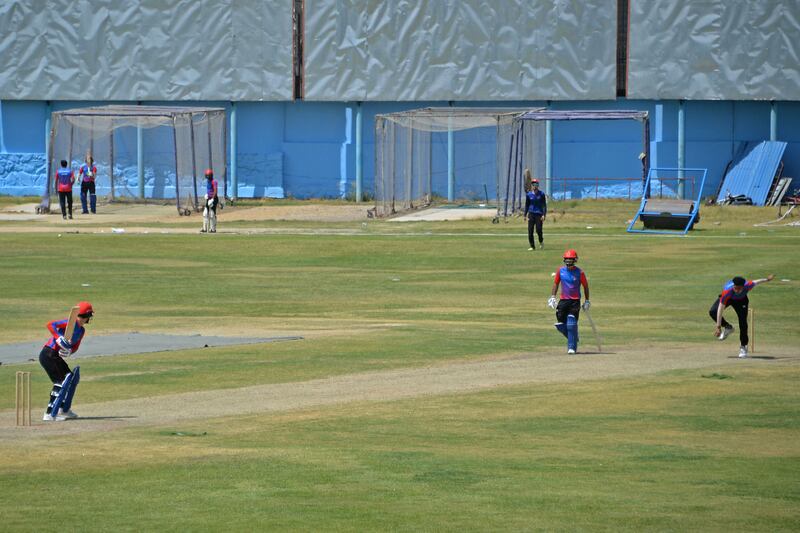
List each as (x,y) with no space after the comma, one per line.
(712,448)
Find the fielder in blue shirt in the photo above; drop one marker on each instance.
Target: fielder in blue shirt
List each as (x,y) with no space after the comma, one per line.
(535,211)
(734,294)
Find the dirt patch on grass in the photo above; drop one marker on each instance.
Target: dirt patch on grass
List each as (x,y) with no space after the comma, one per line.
(456,377)
(136,217)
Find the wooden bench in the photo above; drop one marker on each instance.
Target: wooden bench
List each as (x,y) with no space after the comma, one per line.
(667,213)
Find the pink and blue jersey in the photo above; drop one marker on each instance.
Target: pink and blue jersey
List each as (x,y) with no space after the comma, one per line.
(571,280)
(211,188)
(88,172)
(57,327)
(64,179)
(728,295)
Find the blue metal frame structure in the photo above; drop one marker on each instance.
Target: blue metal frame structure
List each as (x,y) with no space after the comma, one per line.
(691,218)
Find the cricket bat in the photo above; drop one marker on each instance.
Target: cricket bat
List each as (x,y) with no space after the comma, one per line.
(594,330)
(70,329)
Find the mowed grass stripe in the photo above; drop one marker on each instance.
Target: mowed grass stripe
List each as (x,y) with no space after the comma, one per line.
(657,453)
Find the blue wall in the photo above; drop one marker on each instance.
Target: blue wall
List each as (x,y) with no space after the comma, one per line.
(307,149)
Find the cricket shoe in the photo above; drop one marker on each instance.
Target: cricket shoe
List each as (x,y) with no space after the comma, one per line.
(571,351)
(69,414)
(50,418)
(531,249)
(727,330)
(743,352)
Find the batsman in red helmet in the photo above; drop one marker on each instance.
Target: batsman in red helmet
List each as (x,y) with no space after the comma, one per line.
(568,308)
(52,360)
(210,209)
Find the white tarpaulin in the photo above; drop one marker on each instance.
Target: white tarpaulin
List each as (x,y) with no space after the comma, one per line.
(714,50)
(146,50)
(460,50)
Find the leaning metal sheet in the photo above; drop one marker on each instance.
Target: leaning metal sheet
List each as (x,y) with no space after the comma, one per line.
(460,50)
(714,50)
(153,50)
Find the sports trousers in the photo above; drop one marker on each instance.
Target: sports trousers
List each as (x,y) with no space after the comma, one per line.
(55,366)
(535,223)
(740,306)
(568,307)
(65,200)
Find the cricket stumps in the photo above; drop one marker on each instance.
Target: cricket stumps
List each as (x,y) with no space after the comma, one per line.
(23,398)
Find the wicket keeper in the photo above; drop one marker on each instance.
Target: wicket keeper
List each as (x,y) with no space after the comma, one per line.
(734,294)
(52,359)
(571,278)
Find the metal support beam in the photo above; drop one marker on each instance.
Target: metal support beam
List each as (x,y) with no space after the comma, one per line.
(234,163)
(48,125)
(359,157)
(548,158)
(451,162)
(773,121)
(140,159)
(681,148)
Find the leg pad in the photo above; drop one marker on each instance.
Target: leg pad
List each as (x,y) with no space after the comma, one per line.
(65,387)
(76,378)
(572,333)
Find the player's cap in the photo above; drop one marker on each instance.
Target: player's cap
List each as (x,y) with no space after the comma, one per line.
(739,281)
(85,309)
(209,173)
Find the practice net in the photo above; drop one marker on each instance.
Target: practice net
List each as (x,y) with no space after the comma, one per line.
(489,150)
(176,145)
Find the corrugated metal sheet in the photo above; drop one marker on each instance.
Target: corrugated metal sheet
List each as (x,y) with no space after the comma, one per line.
(753,172)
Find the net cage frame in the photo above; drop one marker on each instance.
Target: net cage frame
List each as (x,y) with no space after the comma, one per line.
(198,138)
(521,145)
(407,182)
(614,114)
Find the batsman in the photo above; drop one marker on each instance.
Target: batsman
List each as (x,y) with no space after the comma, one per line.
(568,308)
(66,336)
(210,209)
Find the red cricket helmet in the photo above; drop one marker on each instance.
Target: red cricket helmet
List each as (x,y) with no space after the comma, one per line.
(85,309)
(571,254)
(209,173)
